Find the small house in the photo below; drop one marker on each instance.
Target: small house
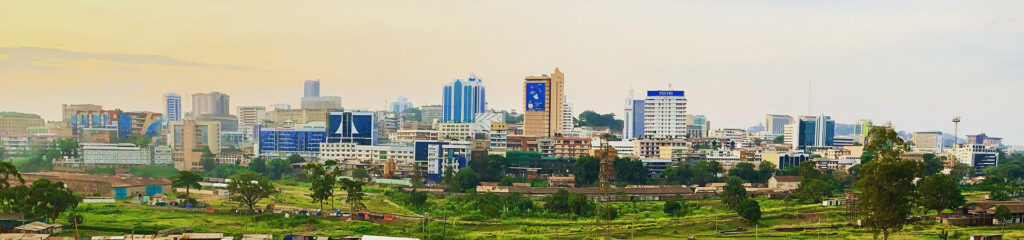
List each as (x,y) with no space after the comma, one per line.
(785,182)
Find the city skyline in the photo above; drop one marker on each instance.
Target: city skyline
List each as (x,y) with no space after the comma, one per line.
(917,66)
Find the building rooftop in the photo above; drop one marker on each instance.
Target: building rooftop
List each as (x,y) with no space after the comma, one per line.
(114,180)
(788,178)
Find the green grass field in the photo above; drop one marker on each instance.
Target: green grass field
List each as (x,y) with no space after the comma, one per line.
(641,220)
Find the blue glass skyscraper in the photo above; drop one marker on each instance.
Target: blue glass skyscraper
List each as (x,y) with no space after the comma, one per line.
(463,99)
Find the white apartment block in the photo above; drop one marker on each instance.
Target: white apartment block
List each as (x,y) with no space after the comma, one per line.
(351,151)
(455,131)
(498,138)
(665,114)
(120,154)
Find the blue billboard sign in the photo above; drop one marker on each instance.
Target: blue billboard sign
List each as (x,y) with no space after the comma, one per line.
(351,127)
(535,94)
(665,94)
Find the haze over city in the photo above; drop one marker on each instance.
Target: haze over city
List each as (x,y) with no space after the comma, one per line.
(736,61)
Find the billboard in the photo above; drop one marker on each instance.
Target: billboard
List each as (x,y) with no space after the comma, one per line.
(665,94)
(351,127)
(535,94)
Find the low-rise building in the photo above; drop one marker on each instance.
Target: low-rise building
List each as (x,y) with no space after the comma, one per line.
(784,160)
(455,131)
(651,147)
(119,155)
(380,153)
(785,182)
(19,123)
(104,185)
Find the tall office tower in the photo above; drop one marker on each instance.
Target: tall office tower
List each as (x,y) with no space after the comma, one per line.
(312,88)
(463,100)
(776,124)
(213,103)
(665,114)
(567,124)
(400,105)
(814,131)
(68,110)
(432,113)
(172,107)
(248,118)
(633,119)
(542,99)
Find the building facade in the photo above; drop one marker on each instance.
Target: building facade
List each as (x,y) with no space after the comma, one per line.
(455,131)
(665,114)
(378,154)
(978,156)
(431,114)
(283,142)
(543,101)
(463,100)
(187,140)
(633,118)
(19,123)
(400,105)
(927,142)
(71,109)
(311,88)
(814,131)
(775,125)
(172,107)
(214,103)
(352,127)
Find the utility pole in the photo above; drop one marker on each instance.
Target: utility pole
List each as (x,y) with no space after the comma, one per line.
(956,131)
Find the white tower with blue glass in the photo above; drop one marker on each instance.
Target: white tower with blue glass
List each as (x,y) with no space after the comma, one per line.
(463,99)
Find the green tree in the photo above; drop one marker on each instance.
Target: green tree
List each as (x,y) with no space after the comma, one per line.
(187,180)
(678,207)
(1003,214)
(361,175)
(321,183)
(416,198)
(587,170)
(466,179)
(9,173)
(734,193)
(704,172)
(939,192)
(932,164)
(557,202)
(630,171)
(750,211)
(779,139)
(593,119)
(413,114)
(208,160)
(579,205)
(885,182)
(745,171)
(277,168)
(961,170)
(353,192)
(249,188)
(258,165)
(295,158)
(448,174)
(814,186)
(765,171)
(678,175)
(491,168)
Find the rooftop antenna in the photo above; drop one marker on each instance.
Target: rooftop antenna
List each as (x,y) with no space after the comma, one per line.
(809,97)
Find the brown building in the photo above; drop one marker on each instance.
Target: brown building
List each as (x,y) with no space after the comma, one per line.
(522,143)
(188,138)
(570,147)
(104,185)
(543,100)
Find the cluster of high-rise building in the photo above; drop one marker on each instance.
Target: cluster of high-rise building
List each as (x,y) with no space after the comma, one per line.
(430,139)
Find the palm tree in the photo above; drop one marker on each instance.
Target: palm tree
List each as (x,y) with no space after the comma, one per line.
(188,180)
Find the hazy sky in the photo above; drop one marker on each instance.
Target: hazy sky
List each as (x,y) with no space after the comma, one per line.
(916,64)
